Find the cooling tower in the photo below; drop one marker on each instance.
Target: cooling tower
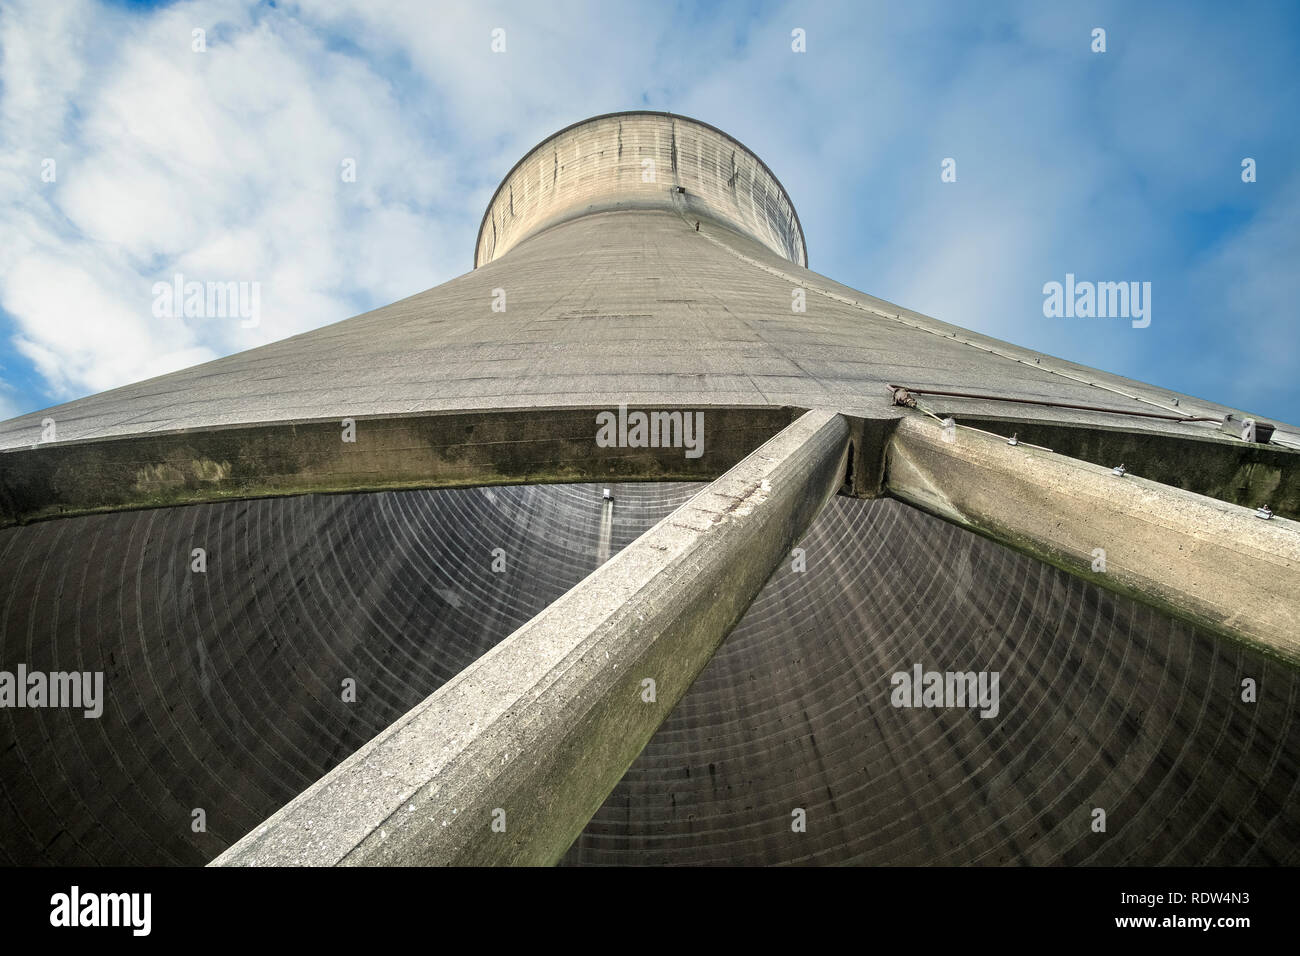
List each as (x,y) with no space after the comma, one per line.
(643,543)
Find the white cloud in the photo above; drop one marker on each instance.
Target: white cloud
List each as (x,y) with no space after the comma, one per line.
(225,166)
(222,166)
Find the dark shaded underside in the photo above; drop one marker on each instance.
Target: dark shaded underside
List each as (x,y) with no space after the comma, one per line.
(224,688)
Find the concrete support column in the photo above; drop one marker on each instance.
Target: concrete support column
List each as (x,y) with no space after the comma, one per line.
(507,762)
(1214,564)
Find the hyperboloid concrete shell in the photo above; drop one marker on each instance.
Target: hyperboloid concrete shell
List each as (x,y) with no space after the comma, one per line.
(646,261)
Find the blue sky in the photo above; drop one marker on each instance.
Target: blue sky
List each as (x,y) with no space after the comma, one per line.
(224,164)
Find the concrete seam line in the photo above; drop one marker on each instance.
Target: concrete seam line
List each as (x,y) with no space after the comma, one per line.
(545,724)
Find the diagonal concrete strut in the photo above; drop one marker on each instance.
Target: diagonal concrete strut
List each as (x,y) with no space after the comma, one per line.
(1206,561)
(507,762)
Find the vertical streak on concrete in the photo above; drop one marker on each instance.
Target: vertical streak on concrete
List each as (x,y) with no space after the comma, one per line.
(1209,562)
(606,529)
(508,761)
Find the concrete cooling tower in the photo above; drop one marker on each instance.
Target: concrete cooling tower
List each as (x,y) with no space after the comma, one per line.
(643,543)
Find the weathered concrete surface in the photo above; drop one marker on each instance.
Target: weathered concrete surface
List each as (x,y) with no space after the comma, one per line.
(593,288)
(641,160)
(537,446)
(625,302)
(1212,563)
(626,306)
(1239,472)
(543,446)
(613,307)
(536,733)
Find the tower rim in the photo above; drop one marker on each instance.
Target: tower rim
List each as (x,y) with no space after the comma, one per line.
(665,114)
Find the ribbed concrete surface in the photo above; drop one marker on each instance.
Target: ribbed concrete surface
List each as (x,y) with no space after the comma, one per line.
(542,727)
(224,687)
(1104,704)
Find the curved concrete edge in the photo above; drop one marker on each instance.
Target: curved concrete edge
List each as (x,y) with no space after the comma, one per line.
(507,762)
(598,164)
(1211,563)
(466,448)
(386,453)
